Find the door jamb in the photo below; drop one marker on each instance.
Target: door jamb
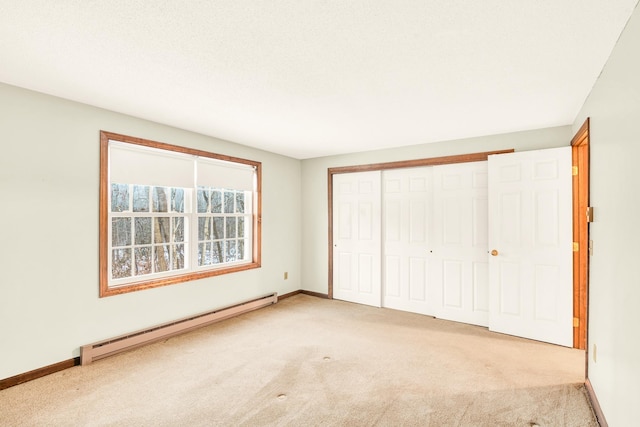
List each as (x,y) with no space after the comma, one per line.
(580,162)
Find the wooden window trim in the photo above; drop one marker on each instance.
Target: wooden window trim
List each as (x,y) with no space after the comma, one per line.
(432,161)
(104,289)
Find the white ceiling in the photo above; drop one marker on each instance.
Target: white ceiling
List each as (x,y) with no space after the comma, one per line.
(309,78)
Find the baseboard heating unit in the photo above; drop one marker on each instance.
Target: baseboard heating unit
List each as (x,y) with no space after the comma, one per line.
(102,349)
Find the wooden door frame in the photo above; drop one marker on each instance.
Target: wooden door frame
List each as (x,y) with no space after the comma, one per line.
(580,162)
(433,161)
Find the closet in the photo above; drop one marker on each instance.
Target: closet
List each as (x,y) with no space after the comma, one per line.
(485,242)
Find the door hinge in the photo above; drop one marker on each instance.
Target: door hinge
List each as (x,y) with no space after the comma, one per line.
(574,170)
(576,246)
(589,214)
(576,322)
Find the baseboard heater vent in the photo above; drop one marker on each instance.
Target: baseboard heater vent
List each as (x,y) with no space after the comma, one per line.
(102,349)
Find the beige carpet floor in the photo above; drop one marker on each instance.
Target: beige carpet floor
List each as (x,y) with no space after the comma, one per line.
(306,361)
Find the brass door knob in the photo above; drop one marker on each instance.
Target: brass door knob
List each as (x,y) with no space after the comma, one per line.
(494,253)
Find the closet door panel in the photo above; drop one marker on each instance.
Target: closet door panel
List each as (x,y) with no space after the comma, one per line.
(459,280)
(357,237)
(406,227)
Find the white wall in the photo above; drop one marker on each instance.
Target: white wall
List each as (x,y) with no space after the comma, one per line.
(314,182)
(49,167)
(614,277)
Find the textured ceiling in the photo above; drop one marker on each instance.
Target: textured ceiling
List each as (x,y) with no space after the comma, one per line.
(309,78)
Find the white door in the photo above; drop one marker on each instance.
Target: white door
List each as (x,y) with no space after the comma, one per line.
(460,281)
(530,234)
(406,230)
(356,237)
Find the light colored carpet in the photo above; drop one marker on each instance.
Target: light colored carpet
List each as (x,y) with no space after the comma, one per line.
(309,362)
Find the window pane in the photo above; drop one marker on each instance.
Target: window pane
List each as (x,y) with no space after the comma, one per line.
(240,202)
(120,263)
(178,229)
(203,199)
(119,197)
(231,250)
(204,228)
(241,226)
(143,231)
(204,253)
(216,252)
(162,230)
(218,227)
(160,199)
(143,260)
(241,249)
(228,202)
(121,231)
(230,226)
(141,198)
(161,258)
(216,201)
(178,257)
(177,200)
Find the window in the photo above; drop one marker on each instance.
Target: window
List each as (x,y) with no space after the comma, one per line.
(170,214)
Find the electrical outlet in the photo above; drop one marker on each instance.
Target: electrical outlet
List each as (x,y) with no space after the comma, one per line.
(286,275)
(595,353)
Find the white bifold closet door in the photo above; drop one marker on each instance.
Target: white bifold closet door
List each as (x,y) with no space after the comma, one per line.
(433,242)
(530,229)
(357,237)
(460,269)
(406,239)
(419,240)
